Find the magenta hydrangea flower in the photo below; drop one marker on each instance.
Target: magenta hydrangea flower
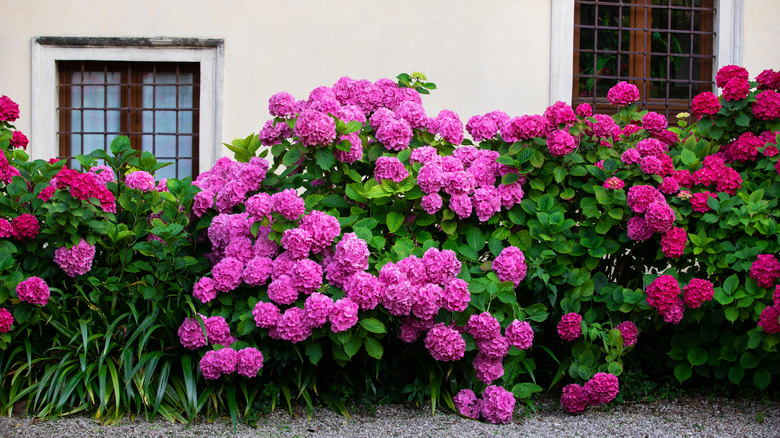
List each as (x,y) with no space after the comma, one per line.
(441,266)
(445,343)
(450,127)
(414,268)
(259,205)
(6,230)
(191,334)
(481,128)
(570,328)
(249,362)
(765,270)
(664,295)
(226,361)
(736,89)
(227,274)
(364,289)
(560,113)
(699,201)
(574,398)
(209,366)
(729,72)
(411,328)
(673,242)
(297,242)
(629,332)
(456,295)
(204,290)
(510,265)
(584,110)
(6,320)
(33,290)
(25,226)
(307,275)
(426,302)
(659,217)
(389,168)
(520,334)
(623,94)
(282,291)
(486,202)
(498,405)
(394,133)
(495,346)
(9,110)
(461,205)
(292,326)
(317,308)
(431,203)
(767,105)
(654,122)
(601,389)
(288,203)
(631,156)
(140,180)
(561,143)
(257,271)
(315,128)
(603,127)
(283,105)
(640,197)
(218,331)
(483,326)
(768,320)
(705,103)
(776,296)
(343,315)
(697,291)
(266,315)
(76,260)
(487,368)
(323,229)
(614,183)
(467,404)
(510,194)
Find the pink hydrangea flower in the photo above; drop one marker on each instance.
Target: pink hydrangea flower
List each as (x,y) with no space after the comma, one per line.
(257,271)
(767,105)
(637,229)
(498,405)
(481,128)
(450,127)
(654,122)
(288,203)
(431,178)
(574,398)
(456,296)
(343,315)
(736,89)
(33,290)
(426,302)
(705,103)
(461,205)
(559,113)
(639,197)
(204,290)
(9,110)
(283,105)
(729,72)
(364,289)
(495,346)
(669,185)
(520,334)
(76,260)
(663,294)
(266,315)
(510,265)
(355,149)
(227,274)
(414,268)
(483,326)
(394,133)
(659,217)
(697,291)
(259,205)
(673,242)
(249,362)
(412,112)
(467,404)
(389,168)
(6,320)
(603,127)
(628,332)
(297,242)
(444,343)
(323,229)
(487,368)
(209,366)
(768,321)
(601,388)
(317,308)
(191,334)
(441,266)
(411,328)
(623,94)
(776,296)
(584,110)
(651,146)
(561,143)
(431,203)
(292,325)
(765,270)
(631,156)
(768,80)
(315,128)
(307,275)
(6,230)
(282,291)
(25,226)
(140,180)
(486,202)
(570,328)
(699,201)
(511,194)
(525,128)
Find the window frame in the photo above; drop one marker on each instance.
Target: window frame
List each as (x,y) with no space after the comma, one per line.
(728,25)
(46,51)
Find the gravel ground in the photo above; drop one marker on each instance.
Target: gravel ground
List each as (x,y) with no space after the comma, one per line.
(683,417)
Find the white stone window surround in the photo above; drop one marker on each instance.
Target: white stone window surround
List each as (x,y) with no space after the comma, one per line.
(46,51)
(728,43)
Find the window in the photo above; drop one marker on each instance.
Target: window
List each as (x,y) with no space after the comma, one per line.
(154,103)
(164,93)
(664,47)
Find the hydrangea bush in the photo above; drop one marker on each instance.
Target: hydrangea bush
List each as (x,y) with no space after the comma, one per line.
(356,228)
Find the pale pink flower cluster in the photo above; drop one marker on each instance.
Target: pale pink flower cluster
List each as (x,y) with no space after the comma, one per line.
(76,260)
(141,180)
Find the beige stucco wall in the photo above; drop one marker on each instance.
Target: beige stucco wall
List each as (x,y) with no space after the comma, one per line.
(482,54)
(761,40)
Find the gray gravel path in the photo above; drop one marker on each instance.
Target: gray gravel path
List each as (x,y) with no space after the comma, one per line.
(683,417)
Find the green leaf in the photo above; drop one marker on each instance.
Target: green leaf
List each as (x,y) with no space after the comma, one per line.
(762,378)
(732,313)
(509,178)
(615,368)
(314,352)
(468,252)
(325,158)
(736,373)
(682,372)
(742,119)
(335,201)
(688,157)
(394,221)
(525,390)
(449,227)
(291,157)
(374,348)
(475,239)
(545,203)
(373,325)
(697,356)
(352,346)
